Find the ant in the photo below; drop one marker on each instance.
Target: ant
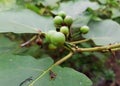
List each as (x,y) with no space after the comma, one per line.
(52,75)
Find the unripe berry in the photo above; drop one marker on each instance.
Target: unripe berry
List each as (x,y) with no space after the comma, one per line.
(58,39)
(84,29)
(52,46)
(62,14)
(48,35)
(58,20)
(64,30)
(68,20)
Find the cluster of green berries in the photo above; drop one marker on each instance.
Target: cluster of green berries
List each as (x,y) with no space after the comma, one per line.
(62,19)
(58,38)
(62,22)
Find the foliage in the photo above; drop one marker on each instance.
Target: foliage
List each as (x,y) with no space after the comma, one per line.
(25,50)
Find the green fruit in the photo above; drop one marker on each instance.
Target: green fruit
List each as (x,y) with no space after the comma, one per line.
(62,14)
(48,35)
(84,29)
(68,20)
(58,20)
(58,39)
(52,47)
(64,30)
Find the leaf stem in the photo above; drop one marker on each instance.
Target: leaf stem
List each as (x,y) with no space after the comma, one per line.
(29,41)
(81,41)
(74,35)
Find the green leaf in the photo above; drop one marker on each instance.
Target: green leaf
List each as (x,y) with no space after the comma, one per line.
(83,19)
(24,21)
(76,8)
(15,69)
(6,45)
(64,77)
(115,12)
(103,1)
(48,2)
(7,4)
(104,32)
(34,51)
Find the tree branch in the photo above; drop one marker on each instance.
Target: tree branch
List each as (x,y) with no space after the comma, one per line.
(64,58)
(102,48)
